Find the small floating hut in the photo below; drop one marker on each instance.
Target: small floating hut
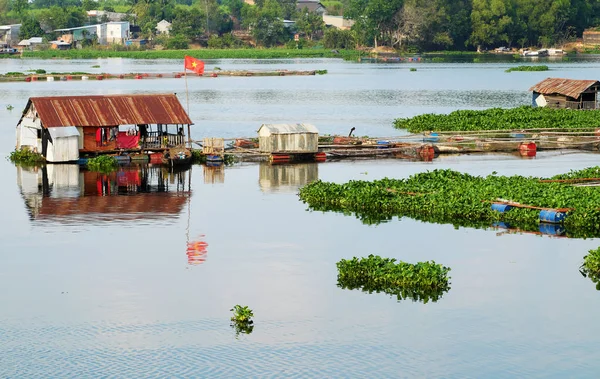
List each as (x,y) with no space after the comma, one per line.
(62,128)
(566,93)
(288,138)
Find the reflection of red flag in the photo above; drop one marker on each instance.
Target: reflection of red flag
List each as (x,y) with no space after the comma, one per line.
(196,252)
(193,64)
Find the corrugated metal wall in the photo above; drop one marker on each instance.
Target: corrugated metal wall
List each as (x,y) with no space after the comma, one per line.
(63,149)
(289,143)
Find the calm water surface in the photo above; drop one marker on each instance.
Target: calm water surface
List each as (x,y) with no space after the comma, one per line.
(97,280)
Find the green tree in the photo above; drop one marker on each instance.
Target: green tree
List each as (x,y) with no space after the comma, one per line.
(30,27)
(374,19)
(188,22)
(310,23)
(268,30)
(20,7)
(492,21)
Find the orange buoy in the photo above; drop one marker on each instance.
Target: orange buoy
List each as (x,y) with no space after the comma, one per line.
(138,76)
(99,77)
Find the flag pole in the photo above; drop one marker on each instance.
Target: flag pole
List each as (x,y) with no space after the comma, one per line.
(187,98)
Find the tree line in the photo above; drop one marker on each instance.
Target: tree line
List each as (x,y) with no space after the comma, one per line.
(424,25)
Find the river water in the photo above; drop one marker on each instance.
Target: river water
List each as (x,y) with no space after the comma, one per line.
(98,281)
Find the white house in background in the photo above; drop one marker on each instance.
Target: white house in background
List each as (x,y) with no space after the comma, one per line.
(338,22)
(163,27)
(311,6)
(113,33)
(9,34)
(30,43)
(108,33)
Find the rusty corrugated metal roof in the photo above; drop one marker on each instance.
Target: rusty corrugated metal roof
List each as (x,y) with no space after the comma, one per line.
(567,87)
(109,110)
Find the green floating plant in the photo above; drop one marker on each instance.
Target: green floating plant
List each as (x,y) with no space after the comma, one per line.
(241,321)
(423,281)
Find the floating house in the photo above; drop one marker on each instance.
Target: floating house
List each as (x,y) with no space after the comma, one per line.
(288,138)
(566,93)
(63,128)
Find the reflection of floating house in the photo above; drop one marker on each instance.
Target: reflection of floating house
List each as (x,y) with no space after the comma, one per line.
(566,93)
(286,178)
(66,194)
(61,128)
(288,138)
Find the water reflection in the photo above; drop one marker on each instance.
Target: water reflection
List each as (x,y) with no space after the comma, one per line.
(214,173)
(286,177)
(68,193)
(196,251)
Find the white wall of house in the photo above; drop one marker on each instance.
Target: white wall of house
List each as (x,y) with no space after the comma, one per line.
(113,33)
(9,34)
(163,27)
(27,133)
(64,146)
(338,22)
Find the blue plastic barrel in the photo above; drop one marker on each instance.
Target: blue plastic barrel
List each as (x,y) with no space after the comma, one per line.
(82,161)
(501,207)
(433,137)
(384,143)
(517,135)
(500,224)
(214,158)
(552,216)
(123,159)
(552,229)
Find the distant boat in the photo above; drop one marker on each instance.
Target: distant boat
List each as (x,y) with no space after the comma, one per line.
(538,53)
(6,49)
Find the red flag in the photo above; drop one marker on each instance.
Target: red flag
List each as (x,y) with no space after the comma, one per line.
(194,64)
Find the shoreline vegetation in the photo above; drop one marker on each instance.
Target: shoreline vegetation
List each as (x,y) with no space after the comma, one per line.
(250,53)
(261,53)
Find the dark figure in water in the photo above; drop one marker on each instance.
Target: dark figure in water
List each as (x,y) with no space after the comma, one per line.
(351,131)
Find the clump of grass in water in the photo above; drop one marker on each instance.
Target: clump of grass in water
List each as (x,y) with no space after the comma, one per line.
(103,163)
(96,66)
(412,69)
(9,107)
(423,281)
(26,156)
(241,321)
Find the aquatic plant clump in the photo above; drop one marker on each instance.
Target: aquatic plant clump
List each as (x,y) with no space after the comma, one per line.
(446,196)
(591,266)
(528,68)
(25,156)
(103,163)
(241,321)
(521,118)
(423,281)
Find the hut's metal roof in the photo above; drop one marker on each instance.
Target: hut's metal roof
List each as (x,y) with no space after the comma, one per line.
(289,128)
(109,110)
(567,87)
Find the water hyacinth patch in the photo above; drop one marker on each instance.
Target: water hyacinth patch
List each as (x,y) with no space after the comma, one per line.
(591,266)
(521,118)
(446,196)
(423,281)
(241,321)
(103,163)
(528,68)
